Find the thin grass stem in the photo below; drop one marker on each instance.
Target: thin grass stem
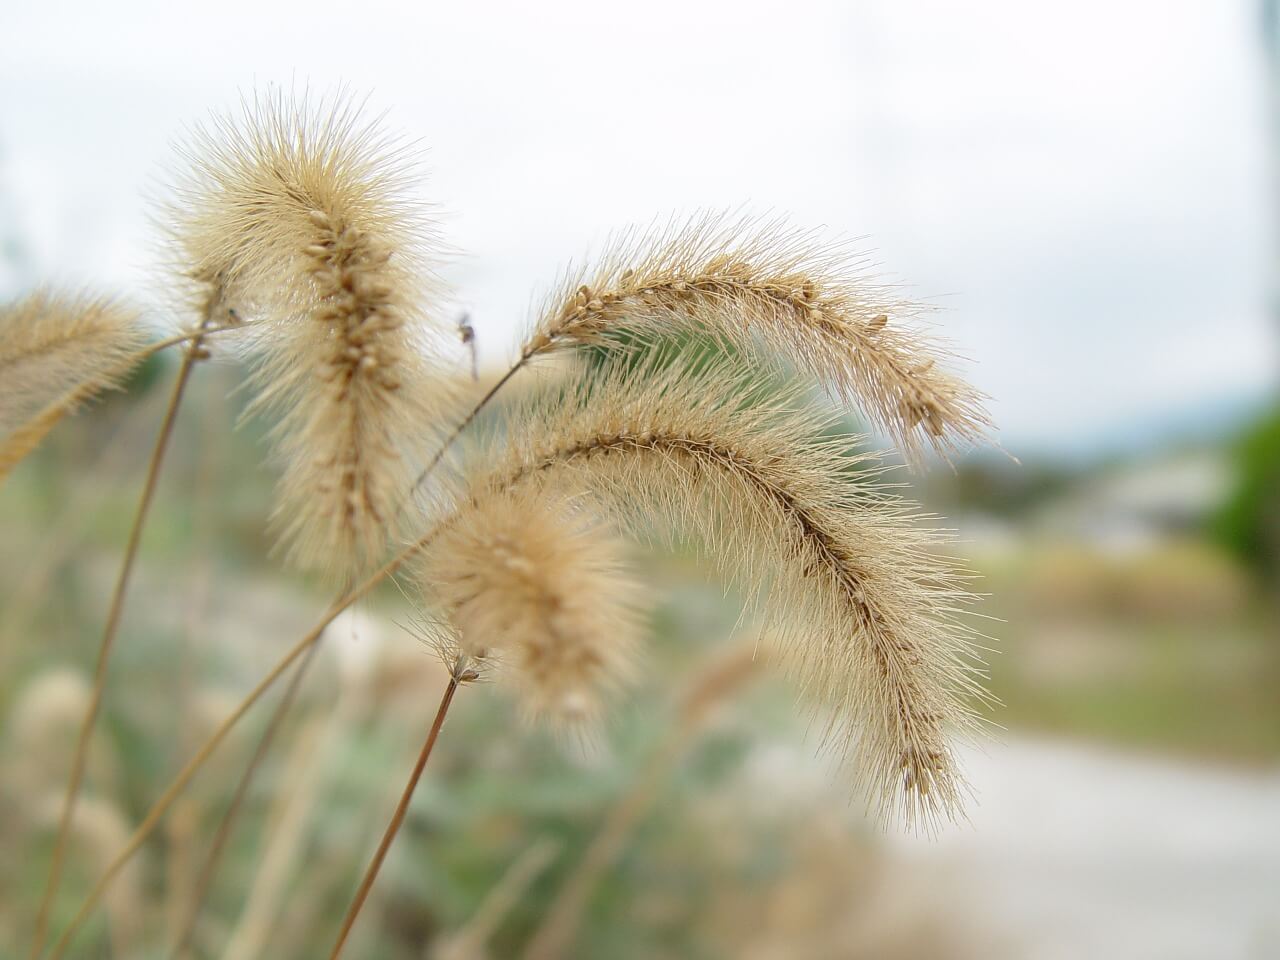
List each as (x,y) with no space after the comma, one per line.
(205,878)
(179,783)
(199,334)
(466,422)
(190,358)
(397,818)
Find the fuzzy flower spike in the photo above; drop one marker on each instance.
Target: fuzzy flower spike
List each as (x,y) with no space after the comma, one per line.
(806,301)
(56,353)
(867,612)
(300,215)
(536,584)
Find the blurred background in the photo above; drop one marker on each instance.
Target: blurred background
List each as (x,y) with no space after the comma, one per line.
(1087,192)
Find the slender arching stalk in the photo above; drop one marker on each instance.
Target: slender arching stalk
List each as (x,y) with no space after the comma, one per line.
(286,701)
(200,334)
(472,938)
(397,818)
(467,421)
(193,355)
(216,846)
(184,776)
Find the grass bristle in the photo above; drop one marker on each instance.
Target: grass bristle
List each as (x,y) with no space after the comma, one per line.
(57,352)
(839,568)
(541,587)
(301,214)
(807,301)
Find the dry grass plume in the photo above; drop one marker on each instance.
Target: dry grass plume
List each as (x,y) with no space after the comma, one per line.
(809,302)
(541,587)
(56,353)
(300,214)
(867,613)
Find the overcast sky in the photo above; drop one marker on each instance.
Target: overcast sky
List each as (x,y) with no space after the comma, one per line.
(1082,187)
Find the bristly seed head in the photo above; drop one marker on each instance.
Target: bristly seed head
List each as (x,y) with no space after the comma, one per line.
(302,213)
(542,588)
(750,284)
(864,607)
(56,353)
(52,343)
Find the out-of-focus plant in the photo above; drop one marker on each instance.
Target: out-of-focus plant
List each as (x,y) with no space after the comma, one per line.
(294,235)
(1249,522)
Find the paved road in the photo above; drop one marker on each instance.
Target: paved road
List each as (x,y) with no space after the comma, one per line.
(1076,852)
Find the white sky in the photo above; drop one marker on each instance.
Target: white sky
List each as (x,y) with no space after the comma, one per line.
(1082,187)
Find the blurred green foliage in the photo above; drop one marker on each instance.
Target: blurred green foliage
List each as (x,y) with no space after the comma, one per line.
(1249,522)
(144,377)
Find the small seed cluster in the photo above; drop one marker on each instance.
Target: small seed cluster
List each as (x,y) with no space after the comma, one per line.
(356,304)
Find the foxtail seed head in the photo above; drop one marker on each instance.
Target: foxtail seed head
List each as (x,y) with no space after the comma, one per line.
(539,586)
(866,611)
(807,301)
(299,214)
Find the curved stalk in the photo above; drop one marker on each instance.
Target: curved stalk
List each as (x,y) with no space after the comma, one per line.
(466,422)
(185,775)
(193,355)
(397,818)
(205,878)
(286,702)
